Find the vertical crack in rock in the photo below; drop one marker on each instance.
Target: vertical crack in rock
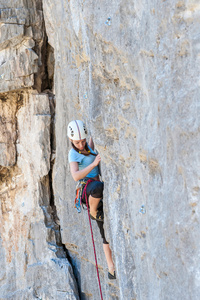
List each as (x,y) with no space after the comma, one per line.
(54,238)
(18,110)
(47,203)
(43,78)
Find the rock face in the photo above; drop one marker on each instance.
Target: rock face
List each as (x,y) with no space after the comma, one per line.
(33,260)
(130,70)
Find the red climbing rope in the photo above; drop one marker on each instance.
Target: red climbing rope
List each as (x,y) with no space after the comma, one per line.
(85,196)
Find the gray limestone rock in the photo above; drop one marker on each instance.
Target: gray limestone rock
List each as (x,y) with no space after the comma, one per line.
(11,35)
(34,262)
(32,256)
(21,30)
(8,135)
(130,70)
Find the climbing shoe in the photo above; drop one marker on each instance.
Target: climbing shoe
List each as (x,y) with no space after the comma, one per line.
(111,275)
(99,216)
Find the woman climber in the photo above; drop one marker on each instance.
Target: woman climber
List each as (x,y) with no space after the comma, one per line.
(84,164)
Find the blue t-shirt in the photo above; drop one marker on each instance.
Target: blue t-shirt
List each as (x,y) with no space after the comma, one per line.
(84,161)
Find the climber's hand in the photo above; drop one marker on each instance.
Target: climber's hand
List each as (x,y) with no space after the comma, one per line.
(97,160)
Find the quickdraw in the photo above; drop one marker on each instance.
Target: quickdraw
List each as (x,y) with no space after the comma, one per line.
(79,193)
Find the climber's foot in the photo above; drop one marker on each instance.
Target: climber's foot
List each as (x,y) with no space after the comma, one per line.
(98,216)
(111,274)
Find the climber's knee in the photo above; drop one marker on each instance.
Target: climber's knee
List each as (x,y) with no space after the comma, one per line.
(105,242)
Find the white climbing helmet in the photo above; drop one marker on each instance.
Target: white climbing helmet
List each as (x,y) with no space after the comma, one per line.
(77,130)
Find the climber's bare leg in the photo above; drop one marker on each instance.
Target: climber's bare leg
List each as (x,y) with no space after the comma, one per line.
(93,202)
(108,255)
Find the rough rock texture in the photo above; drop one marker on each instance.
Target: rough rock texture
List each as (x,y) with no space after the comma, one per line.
(134,80)
(130,70)
(33,260)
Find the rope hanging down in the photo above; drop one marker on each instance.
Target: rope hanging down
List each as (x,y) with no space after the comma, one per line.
(85,195)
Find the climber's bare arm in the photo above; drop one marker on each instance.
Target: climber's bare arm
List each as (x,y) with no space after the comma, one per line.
(91,143)
(78,175)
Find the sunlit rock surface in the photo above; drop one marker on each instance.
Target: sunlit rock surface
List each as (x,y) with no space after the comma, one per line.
(130,70)
(33,260)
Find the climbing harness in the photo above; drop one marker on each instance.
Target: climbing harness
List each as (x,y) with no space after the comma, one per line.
(85,196)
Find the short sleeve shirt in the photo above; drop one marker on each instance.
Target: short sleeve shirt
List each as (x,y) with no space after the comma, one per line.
(84,161)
